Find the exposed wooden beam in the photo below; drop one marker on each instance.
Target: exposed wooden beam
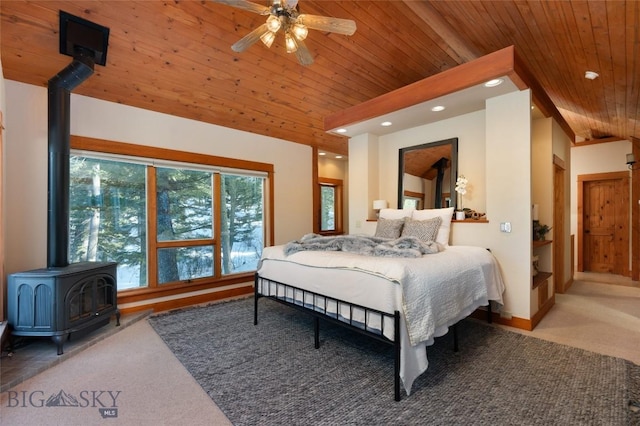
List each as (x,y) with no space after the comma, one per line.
(459,49)
(493,65)
(504,62)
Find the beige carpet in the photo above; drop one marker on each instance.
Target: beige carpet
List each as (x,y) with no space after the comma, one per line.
(155,389)
(602,318)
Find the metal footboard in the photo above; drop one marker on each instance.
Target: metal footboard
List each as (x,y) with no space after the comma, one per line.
(299,302)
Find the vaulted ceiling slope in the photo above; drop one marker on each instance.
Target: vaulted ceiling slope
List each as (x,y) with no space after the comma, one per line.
(175,57)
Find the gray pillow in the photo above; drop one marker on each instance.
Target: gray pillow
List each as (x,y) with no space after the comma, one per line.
(389,228)
(424,230)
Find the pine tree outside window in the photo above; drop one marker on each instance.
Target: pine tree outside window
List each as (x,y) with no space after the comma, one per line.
(166,225)
(330,206)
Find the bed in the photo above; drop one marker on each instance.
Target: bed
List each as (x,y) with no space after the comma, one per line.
(406,302)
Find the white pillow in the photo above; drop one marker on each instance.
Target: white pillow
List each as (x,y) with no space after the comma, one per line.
(445,227)
(395,213)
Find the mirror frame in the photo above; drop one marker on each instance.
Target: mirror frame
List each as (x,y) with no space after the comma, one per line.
(454,166)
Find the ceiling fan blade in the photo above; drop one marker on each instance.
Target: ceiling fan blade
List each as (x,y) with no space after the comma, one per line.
(245,42)
(246,5)
(325,23)
(303,54)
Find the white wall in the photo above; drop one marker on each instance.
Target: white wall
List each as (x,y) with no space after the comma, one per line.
(363,180)
(494,152)
(508,184)
(26,162)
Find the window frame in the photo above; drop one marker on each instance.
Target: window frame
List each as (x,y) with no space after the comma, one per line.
(163,156)
(338,185)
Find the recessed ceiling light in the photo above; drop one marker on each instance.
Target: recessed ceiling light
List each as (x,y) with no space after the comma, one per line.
(493,83)
(386,123)
(438,108)
(322,153)
(338,156)
(341,130)
(591,75)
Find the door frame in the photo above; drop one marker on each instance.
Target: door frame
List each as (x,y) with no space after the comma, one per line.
(582,180)
(559,224)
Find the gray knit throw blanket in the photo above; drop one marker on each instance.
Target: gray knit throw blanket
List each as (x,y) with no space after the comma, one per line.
(364,245)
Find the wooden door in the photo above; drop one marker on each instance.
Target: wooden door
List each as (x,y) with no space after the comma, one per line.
(599,226)
(605,225)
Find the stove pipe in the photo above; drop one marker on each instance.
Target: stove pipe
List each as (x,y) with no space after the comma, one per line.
(87,43)
(59,88)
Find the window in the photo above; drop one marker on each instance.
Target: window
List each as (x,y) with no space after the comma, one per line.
(328,210)
(242,234)
(330,206)
(413,200)
(168,224)
(184,224)
(108,218)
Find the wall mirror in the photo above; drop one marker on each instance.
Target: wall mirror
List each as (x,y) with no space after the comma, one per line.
(427,175)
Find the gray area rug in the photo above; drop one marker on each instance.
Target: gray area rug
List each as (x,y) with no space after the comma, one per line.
(271,373)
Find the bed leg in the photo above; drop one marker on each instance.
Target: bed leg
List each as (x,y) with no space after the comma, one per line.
(396,363)
(455,337)
(255,299)
(489,314)
(316,332)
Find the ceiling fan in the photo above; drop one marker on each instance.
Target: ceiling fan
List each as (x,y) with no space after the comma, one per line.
(285,15)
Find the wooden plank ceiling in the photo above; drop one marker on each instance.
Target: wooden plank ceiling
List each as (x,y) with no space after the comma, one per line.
(175,57)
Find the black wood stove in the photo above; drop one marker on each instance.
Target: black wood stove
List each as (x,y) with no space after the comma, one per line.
(59,302)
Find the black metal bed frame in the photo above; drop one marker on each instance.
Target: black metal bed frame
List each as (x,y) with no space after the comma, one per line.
(283,289)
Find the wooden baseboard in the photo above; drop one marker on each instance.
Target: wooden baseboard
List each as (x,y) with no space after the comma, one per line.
(481,313)
(515,322)
(568,284)
(167,305)
(543,311)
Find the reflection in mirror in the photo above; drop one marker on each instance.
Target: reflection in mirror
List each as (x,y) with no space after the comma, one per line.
(427,175)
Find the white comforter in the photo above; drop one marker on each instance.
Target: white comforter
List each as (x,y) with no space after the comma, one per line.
(437,290)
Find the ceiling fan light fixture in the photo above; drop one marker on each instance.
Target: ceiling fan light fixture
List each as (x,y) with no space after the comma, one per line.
(267,38)
(285,15)
(300,31)
(290,42)
(273,23)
